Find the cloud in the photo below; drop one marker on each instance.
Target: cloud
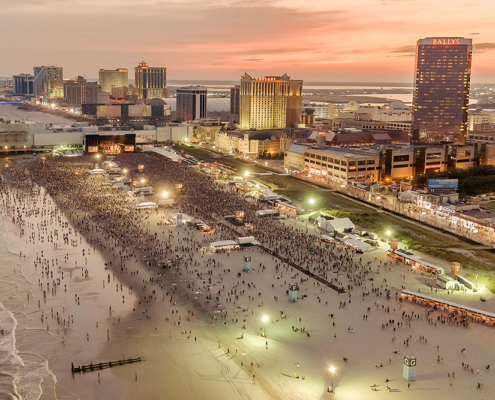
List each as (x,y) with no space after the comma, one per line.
(253,59)
(19,3)
(405,49)
(393,2)
(483,47)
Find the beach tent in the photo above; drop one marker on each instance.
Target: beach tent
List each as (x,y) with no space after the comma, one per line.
(359,244)
(97,171)
(185,217)
(145,205)
(336,225)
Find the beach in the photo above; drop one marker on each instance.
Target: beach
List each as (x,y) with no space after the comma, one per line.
(199,324)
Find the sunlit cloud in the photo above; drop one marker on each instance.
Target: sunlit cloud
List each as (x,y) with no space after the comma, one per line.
(364,40)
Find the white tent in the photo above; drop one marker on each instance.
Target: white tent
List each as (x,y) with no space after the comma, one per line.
(185,217)
(146,204)
(336,225)
(97,171)
(359,244)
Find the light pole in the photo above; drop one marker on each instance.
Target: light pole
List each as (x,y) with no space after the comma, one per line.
(265,320)
(332,370)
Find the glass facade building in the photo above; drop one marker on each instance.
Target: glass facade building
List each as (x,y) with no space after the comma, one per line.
(441,91)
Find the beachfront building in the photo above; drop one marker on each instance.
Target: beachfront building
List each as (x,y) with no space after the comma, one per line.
(383,163)
(441,91)
(251,142)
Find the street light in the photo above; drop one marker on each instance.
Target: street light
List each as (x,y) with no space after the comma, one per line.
(142,180)
(389,233)
(311,201)
(97,156)
(265,320)
(332,370)
(125,171)
(246,173)
(164,194)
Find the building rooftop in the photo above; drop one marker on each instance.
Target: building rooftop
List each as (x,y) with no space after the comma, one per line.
(346,152)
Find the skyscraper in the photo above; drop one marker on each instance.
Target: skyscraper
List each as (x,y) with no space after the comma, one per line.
(441,92)
(80,92)
(272,102)
(150,82)
(107,78)
(23,85)
(42,75)
(191,103)
(234,103)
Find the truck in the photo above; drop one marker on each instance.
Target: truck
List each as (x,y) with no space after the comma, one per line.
(267,213)
(143,190)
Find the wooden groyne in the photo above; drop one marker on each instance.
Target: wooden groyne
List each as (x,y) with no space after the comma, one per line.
(109,364)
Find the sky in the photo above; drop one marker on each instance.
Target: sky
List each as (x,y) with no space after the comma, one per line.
(315,40)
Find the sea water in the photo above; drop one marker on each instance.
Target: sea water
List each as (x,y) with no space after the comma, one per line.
(21,372)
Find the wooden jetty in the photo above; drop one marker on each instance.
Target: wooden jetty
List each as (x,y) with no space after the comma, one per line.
(110,364)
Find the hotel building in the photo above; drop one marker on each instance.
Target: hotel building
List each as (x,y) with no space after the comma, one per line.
(441,92)
(272,102)
(150,82)
(109,78)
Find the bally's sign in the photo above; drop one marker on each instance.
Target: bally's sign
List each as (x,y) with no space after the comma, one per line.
(447,41)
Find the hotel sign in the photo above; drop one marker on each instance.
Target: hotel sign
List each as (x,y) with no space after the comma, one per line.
(446,41)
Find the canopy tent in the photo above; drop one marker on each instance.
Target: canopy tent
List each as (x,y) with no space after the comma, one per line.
(146,204)
(336,225)
(359,244)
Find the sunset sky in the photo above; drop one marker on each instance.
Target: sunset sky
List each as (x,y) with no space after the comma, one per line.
(316,40)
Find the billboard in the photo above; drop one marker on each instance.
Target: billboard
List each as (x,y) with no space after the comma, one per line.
(108,111)
(139,110)
(443,183)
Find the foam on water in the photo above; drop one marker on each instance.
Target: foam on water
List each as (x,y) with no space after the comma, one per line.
(21,374)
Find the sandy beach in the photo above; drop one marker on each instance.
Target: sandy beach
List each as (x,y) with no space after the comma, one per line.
(198,325)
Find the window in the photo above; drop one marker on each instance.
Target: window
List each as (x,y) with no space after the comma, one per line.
(401,166)
(402,158)
(352,163)
(361,169)
(370,162)
(433,156)
(362,162)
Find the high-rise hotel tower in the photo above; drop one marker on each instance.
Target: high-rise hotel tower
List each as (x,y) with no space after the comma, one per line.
(272,102)
(441,91)
(150,82)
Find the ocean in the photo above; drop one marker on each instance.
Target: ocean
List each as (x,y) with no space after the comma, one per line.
(22,369)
